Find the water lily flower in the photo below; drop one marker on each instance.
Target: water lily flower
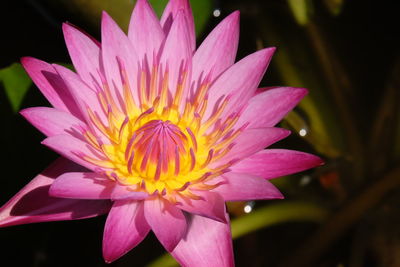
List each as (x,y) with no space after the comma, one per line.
(158,134)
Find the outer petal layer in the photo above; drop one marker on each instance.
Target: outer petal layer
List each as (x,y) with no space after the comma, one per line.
(117,52)
(169,15)
(85,54)
(272,163)
(176,52)
(218,50)
(268,108)
(145,31)
(89,185)
(253,140)
(83,95)
(244,187)
(167,222)
(51,85)
(51,121)
(125,228)
(207,243)
(73,149)
(239,82)
(33,204)
(211,205)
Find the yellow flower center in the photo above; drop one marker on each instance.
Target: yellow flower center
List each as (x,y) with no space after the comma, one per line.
(163,146)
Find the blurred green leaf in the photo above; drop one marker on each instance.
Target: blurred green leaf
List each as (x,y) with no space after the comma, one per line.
(301,10)
(282,212)
(334,6)
(120,10)
(298,66)
(16,84)
(201,11)
(90,10)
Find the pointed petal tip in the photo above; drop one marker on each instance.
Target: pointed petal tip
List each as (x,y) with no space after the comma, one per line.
(25,60)
(232,19)
(141,5)
(285,133)
(313,161)
(268,51)
(67,28)
(45,142)
(24,112)
(108,258)
(28,62)
(298,92)
(105,18)
(265,53)
(104,14)
(278,195)
(319,161)
(234,16)
(301,91)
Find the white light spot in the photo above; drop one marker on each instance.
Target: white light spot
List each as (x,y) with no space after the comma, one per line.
(216,13)
(303,132)
(248,208)
(305,180)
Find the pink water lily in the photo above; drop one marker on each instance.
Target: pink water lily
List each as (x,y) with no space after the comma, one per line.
(158,134)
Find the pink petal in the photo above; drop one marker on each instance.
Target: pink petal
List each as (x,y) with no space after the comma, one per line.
(176,52)
(212,205)
(89,185)
(170,13)
(51,85)
(84,96)
(268,108)
(73,149)
(122,192)
(33,204)
(117,47)
(239,82)
(51,121)
(263,89)
(143,22)
(272,163)
(84,53)
(218,50)
(207,243)
(252,141)
(167,222)
(125,228)
(244,187)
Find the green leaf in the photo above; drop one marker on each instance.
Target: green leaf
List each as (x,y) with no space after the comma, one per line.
(281,212)
(16,84)
(301,10)
(334,6)
(201,11)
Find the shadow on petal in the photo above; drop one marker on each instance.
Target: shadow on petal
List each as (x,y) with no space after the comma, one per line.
(38,202)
